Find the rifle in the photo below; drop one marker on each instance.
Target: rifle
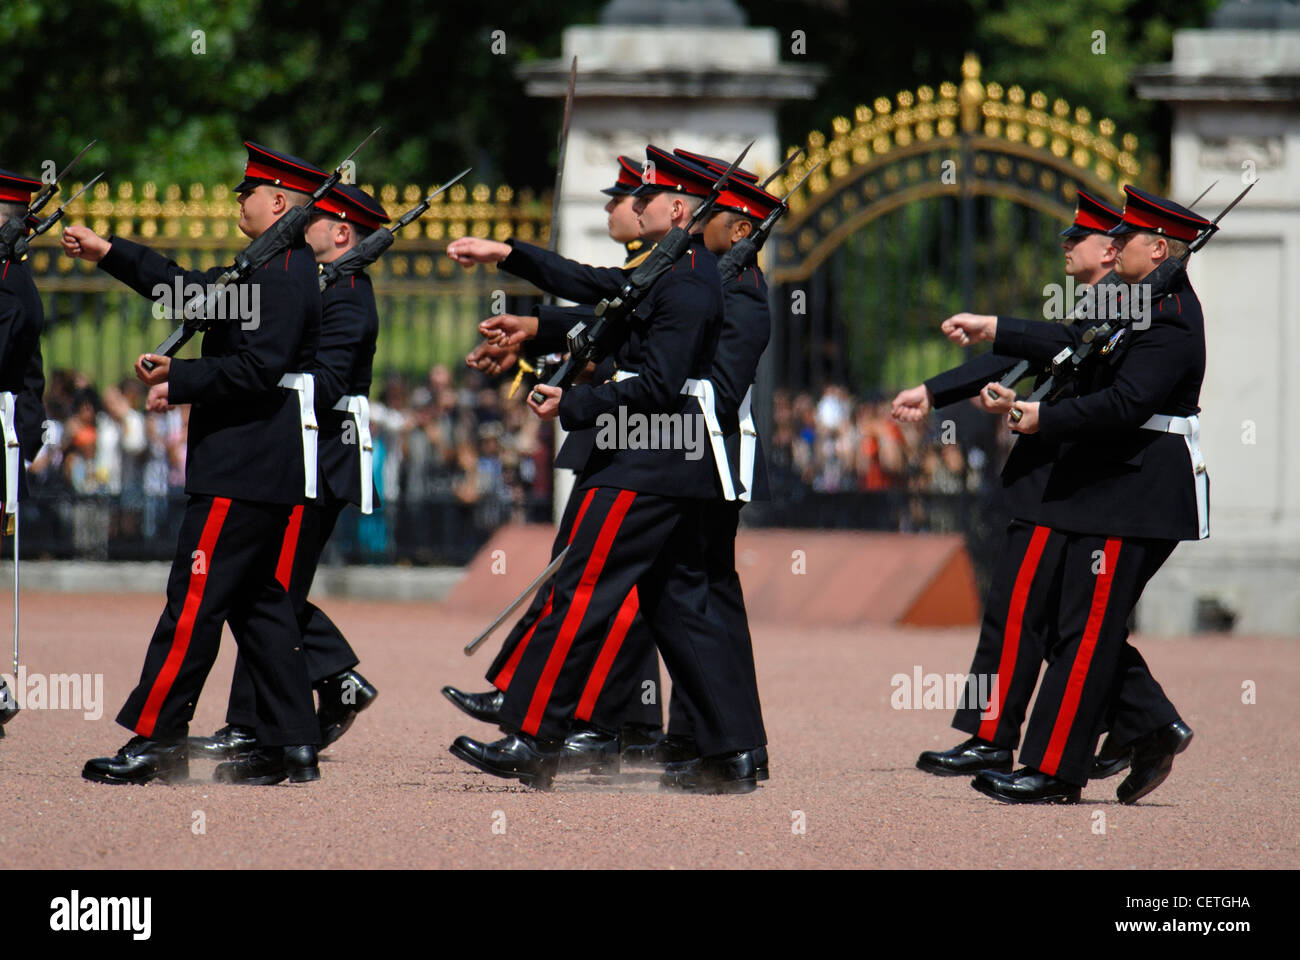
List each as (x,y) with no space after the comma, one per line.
(585,338)
(373,247)
(11,232)
(275,240)
(1067,365)
(1013,376)
(732,262)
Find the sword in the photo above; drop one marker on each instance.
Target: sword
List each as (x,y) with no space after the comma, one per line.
(785,165)
(562,149)
(52,188)
(515,604)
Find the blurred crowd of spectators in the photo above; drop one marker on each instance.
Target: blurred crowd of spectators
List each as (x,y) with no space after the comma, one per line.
(454,459)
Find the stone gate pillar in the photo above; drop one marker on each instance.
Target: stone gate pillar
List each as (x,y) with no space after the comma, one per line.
(1235,92)
(676,73)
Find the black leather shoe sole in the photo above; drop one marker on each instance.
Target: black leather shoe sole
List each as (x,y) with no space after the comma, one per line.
(173,773)
(1157,775)
(939,768)
(989,790)
(539,781)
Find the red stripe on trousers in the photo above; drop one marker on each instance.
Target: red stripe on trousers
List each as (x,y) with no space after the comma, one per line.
(1079,670)
(162,684)
(608,651)
(577,609)
(1015,620)
(284,569)
(502,681)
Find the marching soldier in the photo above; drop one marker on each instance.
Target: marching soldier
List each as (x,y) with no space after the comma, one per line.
(342,373)
(1127,484)
(606,725)
(640,522)
(22,377)
(1016,625)
(248,464)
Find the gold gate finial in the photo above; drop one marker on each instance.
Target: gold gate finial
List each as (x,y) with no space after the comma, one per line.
(972,93)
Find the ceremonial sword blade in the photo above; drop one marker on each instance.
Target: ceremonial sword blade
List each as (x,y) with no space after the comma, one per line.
(561,155)
(1236,200)
(51,188)
(785,165)
(801,181)
(1203,193)
(518,601)
(429,198)
(358,148)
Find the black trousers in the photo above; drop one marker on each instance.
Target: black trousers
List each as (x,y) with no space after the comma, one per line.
(1016,630)
(326,649)
(624,687)
(224,572)
(1021,627)
(1092,670)
(624,539)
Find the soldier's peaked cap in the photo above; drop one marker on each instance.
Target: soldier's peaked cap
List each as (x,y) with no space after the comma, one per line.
(353,205)
(267,166)
(716,164)
(629,178)
(1146,213)
(1092,216)
(17,189)
(667,172)
(740,195)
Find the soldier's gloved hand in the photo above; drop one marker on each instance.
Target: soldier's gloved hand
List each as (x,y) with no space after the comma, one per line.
(911,405)
(506,329)
(968,328)
(741,255)
(468,251)
(1003,404)
(83,243)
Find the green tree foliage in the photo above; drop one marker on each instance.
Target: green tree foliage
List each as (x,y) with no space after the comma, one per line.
(308,77)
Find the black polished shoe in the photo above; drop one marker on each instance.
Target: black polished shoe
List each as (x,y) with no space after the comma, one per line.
(736,772)
(1153,759)
(969,756)
(664,750)
(1026,785)
(1110,760)
(342,697)
(590,749)
(8,705)
(480,706)
(226,744)
(267,765)
(142,760)
(531,761)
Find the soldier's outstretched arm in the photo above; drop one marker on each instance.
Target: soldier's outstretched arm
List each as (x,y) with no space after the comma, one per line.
(561,276)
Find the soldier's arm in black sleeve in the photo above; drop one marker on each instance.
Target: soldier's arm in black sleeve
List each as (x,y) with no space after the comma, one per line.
(342,328)
(554,324)
(1035,340)
(1157,359)
(11,315)
(264,354)
(30,405)
(561,276)
(676,337)
(741,343)
(967,379)
(142,269)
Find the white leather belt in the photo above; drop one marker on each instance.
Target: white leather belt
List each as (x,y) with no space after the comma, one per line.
(1190,430)
(359,406)
(702,390)
(305,386)
(13,451)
